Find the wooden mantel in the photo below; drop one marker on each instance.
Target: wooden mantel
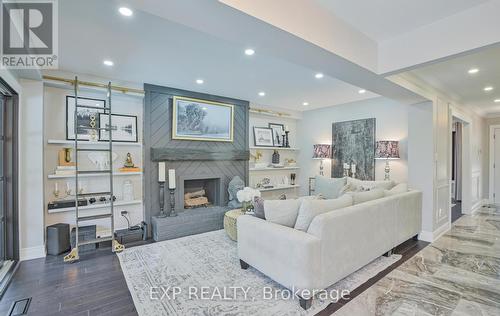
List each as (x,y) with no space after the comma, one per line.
(188,154)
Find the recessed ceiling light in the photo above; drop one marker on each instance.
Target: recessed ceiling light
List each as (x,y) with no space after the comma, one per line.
(497,101)
(200,81)
(249,52)
(488,88)
(125,11)
(262,93)
(319,75)
(305,103)
(108,63)
(362,91)
(473,71)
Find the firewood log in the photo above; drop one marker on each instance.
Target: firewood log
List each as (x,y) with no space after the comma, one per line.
(192,195)
(195,202)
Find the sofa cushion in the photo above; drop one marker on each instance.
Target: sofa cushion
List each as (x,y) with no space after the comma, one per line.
(329,188)
(282,212)
(399,188)
(258,207)
(356,185)
(311,208)
(361,197)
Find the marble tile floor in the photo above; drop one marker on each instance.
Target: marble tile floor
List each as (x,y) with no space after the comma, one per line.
(458,275)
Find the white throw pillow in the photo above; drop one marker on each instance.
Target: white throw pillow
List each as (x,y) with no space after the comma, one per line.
(329,188)
(398,189)
(361,185)
(282,212)
(312,208)
(361,197)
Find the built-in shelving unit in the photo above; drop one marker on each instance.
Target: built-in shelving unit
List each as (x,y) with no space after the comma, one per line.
(274,148)
(94,206)
(84,143)
(284,187)
(66,176)
(273,169)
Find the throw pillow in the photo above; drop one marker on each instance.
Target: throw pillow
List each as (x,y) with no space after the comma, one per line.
(309,209)
(329,188)
(360,185)
(258,207)
(400,188)
(361,197)
(282,212)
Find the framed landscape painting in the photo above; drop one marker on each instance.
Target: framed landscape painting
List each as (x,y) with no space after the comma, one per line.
(88,119)
(263,136)
(202,120)
(124,127)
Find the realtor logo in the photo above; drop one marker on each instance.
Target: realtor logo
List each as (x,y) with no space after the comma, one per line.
(29,34)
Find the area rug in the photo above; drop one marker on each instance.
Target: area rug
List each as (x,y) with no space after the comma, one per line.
(201,275)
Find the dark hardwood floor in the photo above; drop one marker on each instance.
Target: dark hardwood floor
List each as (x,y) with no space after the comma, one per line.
(96,286)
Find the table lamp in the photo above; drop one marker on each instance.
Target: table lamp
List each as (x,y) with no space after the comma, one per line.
(321,152)
(387,149)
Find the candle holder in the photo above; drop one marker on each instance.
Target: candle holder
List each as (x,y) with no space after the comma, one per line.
(284,140)
(172,203)
(162,200)
(287,144)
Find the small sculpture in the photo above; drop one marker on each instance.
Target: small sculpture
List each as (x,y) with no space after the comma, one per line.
(128,162)
(235,185)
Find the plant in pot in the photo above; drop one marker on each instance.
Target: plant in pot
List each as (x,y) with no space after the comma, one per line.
(245,197)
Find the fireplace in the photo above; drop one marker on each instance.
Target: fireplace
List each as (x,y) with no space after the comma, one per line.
(202,193)
(204,190)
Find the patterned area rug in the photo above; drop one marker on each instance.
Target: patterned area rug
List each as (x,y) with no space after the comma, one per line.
(201,275)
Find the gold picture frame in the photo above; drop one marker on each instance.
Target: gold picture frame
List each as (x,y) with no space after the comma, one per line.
(217,113)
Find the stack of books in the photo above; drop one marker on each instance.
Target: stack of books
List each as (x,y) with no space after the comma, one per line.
(130,169)
(65,170)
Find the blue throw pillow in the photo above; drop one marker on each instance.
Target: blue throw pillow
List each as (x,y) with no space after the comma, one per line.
(329,188)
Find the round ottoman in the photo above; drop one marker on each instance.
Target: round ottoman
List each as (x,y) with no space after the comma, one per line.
(230,223)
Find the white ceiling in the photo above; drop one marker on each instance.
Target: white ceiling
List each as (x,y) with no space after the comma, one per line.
(452,77)
(149,49)
(385,19)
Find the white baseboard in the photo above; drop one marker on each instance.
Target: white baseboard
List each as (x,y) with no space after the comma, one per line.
(480,204)
(432,236)
(32,253)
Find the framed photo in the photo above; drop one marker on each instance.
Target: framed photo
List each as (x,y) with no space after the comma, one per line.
(278,130)
(124,128)
(263,136)
(202,120)
(88,119)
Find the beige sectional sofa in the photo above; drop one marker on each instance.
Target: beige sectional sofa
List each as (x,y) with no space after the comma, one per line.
(335,244)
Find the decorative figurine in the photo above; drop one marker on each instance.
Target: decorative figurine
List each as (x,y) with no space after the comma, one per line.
(129,165)
(276,158)
(235,185)
(65,158)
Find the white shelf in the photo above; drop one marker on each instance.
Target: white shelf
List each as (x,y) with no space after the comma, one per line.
(64,176)
(87,143)
(95,206)
(274,148)
(284,187)
(273,169)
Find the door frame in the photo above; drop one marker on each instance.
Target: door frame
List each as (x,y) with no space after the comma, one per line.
(492,161)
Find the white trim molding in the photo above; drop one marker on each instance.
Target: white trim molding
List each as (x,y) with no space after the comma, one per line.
(432,236)
(32,253)
(492,160)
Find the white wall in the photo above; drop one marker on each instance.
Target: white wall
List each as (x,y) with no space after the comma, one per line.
(31,227)
(316,128)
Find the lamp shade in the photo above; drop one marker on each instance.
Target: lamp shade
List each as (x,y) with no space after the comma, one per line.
(322,151)
(387,149)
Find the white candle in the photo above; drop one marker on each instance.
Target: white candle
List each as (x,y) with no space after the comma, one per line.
(171,178)
(161,171)
(56,188)
(286,128)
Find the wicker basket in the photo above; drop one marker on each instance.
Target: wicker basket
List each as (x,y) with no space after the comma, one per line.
(230,223)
